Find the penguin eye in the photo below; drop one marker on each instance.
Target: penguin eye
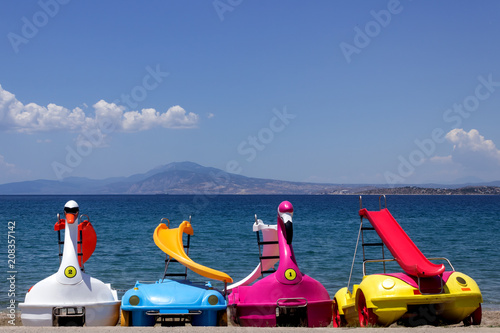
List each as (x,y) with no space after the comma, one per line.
(71,210)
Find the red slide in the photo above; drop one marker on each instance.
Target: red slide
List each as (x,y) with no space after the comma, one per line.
(402,248)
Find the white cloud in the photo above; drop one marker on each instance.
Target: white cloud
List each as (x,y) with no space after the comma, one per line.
(4,165)
(176,117)
(43,141)
(32,117)
(442,159)
(8,104)
(10,172)
(471,150)
(472,157)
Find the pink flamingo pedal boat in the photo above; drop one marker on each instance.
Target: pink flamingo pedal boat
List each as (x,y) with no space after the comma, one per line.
(287,297)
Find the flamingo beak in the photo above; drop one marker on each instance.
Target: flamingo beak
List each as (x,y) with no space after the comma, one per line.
(287,219)
(289,232)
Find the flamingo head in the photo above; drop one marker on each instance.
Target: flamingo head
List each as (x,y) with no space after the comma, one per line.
(285,213)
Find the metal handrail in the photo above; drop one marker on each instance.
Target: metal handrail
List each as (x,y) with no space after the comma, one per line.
(355,250)
(386,260)
(374,260)
(157,313)
(380,203)
(168,221)
(291,299)
(145,281)
(443,258)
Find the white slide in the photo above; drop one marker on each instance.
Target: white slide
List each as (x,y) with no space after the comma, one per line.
(269,234)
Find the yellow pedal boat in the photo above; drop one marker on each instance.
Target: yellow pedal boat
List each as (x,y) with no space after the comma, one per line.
(424,293)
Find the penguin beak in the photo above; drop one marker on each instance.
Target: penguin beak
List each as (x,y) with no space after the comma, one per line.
(287,219)
(71,214)
(71,218)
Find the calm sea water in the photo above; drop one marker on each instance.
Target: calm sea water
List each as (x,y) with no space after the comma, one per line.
(464,229)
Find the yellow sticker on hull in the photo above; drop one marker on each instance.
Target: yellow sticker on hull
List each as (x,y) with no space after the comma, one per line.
(70,272)
(290,274)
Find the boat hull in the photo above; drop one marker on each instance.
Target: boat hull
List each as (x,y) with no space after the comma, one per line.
(87,303)
(268,303)
(394,297)
(101,314)
(183,301)
(316,314)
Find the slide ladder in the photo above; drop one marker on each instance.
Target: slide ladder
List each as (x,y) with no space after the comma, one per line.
(366,245)
(263,256)
(169,259)
(268,254)
(402,248)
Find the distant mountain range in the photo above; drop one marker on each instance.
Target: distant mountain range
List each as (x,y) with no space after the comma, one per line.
(192,178)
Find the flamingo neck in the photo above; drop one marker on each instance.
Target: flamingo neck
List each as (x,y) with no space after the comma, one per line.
(288,270)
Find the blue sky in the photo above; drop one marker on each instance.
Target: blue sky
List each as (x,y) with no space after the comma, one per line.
(325,91)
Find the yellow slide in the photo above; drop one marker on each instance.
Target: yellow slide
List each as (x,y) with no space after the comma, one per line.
(170,242)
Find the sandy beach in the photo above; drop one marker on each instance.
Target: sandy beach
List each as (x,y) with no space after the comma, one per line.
(490,323)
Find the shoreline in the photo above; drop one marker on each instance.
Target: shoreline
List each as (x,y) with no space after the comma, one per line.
(490,323)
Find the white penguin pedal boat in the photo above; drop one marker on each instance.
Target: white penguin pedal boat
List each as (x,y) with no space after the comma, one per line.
(70,297)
